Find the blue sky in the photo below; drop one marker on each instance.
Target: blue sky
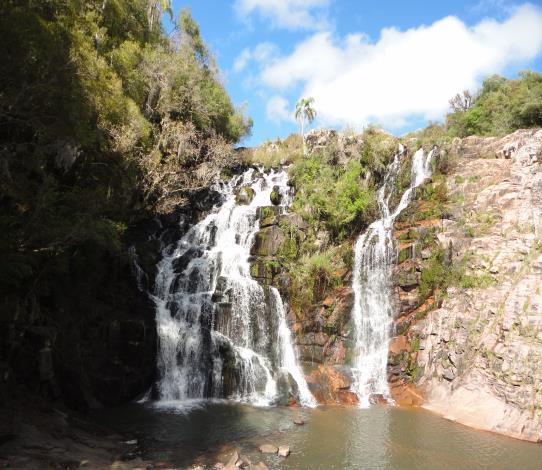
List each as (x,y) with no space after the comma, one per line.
(394,63)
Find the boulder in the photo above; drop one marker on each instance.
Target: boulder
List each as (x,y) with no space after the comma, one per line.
(448,374)
(267,241)
(268,215)
(233,460)
(276,196)
(284,451)
(331,384)
(244,195)
(259,466)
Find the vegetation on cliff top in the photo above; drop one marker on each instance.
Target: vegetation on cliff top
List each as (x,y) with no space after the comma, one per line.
(335,194)
(500,107)
(104,118)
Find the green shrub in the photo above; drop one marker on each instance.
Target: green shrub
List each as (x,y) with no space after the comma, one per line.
(312,276)
(338,198)
(105,119)
(501,107)
(436,274)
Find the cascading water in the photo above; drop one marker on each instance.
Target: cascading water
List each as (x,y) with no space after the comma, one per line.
(220,335)
(374,257)
(287,355)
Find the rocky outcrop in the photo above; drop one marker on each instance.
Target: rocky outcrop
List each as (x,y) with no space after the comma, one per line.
(331,385)
(328,139)
(244,195)
(323,336)
(477,354)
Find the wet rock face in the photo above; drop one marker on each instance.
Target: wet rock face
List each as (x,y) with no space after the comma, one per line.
(478,355)
(88,336)
(98,345)
(268,241)
(331,385)
(322,335)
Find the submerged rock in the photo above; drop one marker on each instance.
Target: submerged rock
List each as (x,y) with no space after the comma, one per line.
(259,466)
(268,449)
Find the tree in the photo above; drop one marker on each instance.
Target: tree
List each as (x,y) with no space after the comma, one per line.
(191,35)
(304,110)
(462,101)
(155,8)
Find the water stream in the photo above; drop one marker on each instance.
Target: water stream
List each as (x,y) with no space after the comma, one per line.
(372,282)
(220,333)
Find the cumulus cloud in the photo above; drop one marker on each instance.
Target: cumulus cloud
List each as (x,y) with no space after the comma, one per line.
(278,109)
(287,14)
(404,74)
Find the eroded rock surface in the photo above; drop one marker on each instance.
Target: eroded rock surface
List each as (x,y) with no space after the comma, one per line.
(478,357)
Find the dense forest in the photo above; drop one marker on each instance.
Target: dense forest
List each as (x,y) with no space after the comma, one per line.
(104,117)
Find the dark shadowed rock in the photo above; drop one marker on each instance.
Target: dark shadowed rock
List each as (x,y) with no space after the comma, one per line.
(276,196)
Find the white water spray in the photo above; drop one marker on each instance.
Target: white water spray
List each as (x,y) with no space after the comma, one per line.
(372,283)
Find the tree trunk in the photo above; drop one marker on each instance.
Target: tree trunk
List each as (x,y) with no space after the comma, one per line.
(303,134)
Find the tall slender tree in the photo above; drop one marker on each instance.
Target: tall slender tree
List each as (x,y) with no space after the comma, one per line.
(304,111)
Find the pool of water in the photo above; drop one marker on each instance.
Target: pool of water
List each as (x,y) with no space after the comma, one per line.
(380,437)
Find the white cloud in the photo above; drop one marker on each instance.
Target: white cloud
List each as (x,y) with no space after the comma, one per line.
(262,53)
(242,60)
(278,109)
(404,74)
(288,14)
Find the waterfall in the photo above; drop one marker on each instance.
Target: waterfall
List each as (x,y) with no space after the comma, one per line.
(372,282)
(216,323)
(288,358)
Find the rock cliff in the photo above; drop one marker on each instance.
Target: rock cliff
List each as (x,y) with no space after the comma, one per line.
(475,351)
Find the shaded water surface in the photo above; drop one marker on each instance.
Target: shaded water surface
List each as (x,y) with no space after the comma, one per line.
(332,437)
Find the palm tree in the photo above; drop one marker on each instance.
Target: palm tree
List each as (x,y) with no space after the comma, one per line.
(304,110)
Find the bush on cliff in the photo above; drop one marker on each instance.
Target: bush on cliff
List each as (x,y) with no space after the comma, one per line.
(336,198)
(501,107)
